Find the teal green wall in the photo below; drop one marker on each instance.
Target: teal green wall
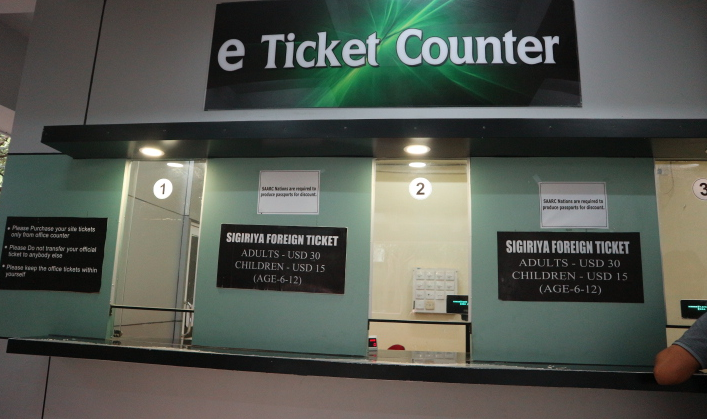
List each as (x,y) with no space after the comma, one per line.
(285,321)
(505,197)
(57,186)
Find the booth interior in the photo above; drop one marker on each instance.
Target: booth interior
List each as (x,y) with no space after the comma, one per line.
(462,260)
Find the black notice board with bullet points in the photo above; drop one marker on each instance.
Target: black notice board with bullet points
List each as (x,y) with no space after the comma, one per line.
(53,254)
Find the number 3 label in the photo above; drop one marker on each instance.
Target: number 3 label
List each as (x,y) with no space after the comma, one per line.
(162,189)
(699,188)
(420,188)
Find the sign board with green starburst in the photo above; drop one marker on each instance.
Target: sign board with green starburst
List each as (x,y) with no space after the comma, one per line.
(393,53)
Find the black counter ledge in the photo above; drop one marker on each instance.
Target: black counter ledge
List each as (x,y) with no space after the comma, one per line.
(379,365)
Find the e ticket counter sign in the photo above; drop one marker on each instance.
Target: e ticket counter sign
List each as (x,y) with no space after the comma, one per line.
(388,53)
(53,254)
(577,267)
(282,258)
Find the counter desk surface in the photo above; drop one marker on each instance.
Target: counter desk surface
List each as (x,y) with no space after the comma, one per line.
(444,367)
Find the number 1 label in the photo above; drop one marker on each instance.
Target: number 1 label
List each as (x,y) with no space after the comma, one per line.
(162,189)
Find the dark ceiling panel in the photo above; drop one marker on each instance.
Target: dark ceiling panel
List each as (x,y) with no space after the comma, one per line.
(449,138)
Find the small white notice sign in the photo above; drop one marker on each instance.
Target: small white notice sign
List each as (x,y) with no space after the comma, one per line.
(573,205)
(288,192)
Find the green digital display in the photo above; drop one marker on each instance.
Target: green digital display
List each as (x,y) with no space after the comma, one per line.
(692,309)
(458,304)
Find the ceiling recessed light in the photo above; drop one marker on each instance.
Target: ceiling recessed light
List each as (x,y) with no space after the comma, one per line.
(416,149)
(417,164)
(152,152)
(174,164)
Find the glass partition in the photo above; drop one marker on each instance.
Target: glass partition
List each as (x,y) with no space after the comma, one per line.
(153,286)
(420,254)
(681,191)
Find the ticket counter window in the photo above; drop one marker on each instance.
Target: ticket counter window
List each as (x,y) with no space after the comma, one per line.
(153,285)
(420,254)
(681,190)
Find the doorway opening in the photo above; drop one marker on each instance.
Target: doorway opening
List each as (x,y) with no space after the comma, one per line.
(152,297)
(420,258)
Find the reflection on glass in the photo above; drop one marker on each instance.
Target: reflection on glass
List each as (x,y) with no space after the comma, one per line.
(156,261)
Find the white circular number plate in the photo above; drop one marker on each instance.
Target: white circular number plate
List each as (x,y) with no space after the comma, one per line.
(162,189)
(699,188)
(420,188)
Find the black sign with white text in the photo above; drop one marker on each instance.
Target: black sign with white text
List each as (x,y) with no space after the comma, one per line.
(53,254)
(576,267)
(282,258)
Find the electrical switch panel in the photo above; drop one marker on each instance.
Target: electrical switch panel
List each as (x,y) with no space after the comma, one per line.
(430,288)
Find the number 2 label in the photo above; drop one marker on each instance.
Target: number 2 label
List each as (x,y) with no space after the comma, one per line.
(420,188)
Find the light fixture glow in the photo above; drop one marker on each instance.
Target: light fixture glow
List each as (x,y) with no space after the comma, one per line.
(151,152)
(416,149)
(174,164)
(417,164)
